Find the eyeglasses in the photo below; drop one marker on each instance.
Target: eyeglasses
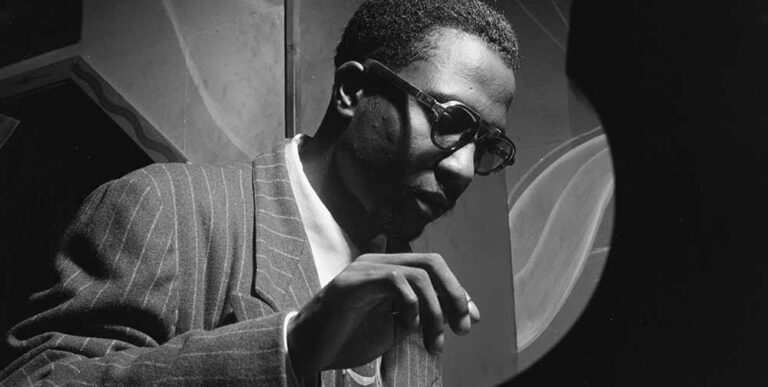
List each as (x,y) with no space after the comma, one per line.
(455,124)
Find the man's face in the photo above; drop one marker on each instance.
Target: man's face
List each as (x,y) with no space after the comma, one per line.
(394,169)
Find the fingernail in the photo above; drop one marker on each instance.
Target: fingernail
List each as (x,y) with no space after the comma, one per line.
(474,313)
(465,325)
(416,323)
(439,342)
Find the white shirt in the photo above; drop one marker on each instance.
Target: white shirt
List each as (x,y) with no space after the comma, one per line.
(331,247)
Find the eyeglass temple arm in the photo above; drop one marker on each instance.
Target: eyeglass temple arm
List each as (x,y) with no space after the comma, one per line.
(379,69)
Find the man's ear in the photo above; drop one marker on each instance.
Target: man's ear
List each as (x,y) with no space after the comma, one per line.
(348,88)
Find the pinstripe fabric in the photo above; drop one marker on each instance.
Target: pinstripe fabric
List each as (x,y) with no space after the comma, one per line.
(182,275)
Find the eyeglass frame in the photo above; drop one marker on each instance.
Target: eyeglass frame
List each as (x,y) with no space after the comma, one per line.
(439,108)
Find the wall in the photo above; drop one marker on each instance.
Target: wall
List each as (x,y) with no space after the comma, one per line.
(560,189)
(166,59)
(683,99)
(210,77)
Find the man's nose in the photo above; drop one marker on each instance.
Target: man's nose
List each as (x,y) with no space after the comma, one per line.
(456,170)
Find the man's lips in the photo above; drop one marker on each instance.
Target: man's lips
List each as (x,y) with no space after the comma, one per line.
(433,203)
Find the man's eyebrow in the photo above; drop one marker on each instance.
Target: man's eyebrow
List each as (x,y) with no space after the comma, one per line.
(443,98)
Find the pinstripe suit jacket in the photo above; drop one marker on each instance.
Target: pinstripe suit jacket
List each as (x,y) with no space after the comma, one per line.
(183,274)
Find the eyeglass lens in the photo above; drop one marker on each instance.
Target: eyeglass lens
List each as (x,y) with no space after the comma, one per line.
(491,154)
(454,123)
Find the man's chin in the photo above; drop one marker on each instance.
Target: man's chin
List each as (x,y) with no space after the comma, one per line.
(409,224)
(408,219)
(409,233)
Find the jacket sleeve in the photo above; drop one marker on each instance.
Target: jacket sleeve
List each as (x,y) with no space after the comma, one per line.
(112,317)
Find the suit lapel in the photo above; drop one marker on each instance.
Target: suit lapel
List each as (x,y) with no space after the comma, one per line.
(409,364)
(285,276)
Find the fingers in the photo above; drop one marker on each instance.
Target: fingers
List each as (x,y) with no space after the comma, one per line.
(453,299)
(419,307)
(452,295)
(429,309)
(371,306)
(407,310)
(474,313)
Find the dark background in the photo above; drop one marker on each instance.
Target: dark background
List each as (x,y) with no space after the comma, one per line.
(64,147)
(681,90)
(33,27)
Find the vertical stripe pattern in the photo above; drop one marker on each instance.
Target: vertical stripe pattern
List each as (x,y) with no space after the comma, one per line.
(182,274)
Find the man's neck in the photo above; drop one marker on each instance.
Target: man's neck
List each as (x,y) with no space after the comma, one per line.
(318,157)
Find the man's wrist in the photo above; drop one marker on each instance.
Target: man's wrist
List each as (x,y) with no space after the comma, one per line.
(291,373)
(286,324)
(303,351)
(293,353)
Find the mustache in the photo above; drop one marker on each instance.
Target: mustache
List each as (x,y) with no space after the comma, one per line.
(436,199)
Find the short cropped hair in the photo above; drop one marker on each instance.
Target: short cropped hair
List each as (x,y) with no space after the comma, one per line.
(395,32)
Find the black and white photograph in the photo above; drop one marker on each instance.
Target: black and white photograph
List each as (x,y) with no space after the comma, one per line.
(383,193)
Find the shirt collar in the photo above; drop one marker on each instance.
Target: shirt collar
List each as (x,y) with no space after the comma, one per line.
(332,249)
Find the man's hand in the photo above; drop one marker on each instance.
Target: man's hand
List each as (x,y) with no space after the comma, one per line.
(377,301)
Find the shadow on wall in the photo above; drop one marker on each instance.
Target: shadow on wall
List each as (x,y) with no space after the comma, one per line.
(63,147)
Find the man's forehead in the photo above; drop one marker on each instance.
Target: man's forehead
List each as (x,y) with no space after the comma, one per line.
(463,67)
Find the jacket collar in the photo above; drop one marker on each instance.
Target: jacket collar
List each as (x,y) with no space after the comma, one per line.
(285,276)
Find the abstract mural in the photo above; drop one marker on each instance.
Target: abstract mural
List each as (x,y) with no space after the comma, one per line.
(560,193)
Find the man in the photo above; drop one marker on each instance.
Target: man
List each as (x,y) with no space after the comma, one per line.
(293,269)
